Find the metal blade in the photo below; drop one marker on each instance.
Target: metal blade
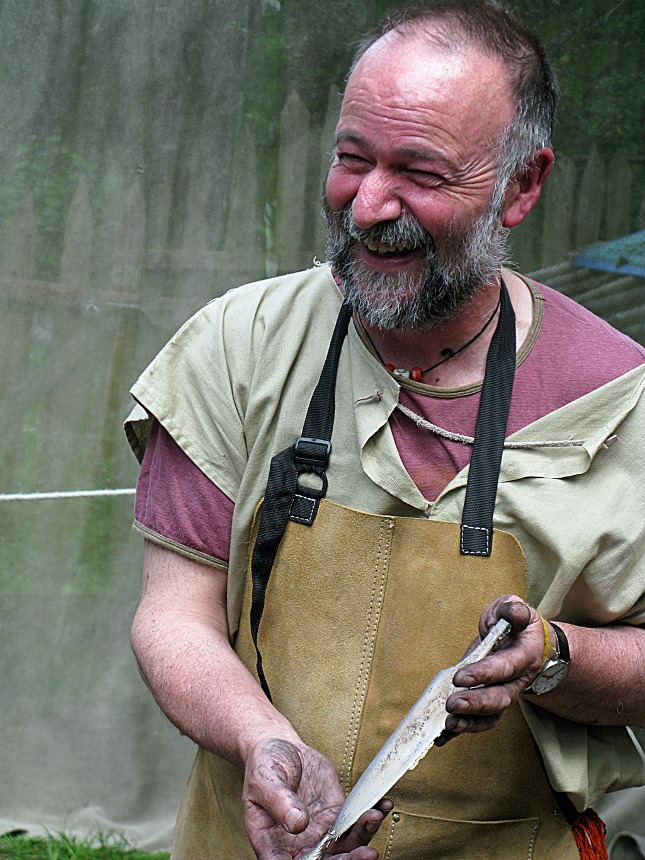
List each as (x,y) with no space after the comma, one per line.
(406,746)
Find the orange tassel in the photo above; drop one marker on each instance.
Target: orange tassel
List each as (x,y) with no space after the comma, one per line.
(589,832)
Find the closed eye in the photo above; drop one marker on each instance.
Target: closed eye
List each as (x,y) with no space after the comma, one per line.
(425,176)
(352,160)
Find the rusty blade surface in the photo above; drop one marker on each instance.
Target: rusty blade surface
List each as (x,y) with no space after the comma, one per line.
(406,746)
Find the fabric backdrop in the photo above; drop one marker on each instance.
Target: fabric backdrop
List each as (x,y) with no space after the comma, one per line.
(154,154)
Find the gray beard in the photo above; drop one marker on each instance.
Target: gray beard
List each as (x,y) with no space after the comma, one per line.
(455,269)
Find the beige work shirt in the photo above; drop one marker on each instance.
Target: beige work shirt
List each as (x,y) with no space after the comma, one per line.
(232,388)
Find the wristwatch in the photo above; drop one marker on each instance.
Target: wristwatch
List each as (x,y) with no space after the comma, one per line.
(555,671)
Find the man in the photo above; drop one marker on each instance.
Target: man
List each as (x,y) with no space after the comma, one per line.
(377,543)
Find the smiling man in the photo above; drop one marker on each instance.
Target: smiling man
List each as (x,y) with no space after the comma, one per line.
(413,187)
(471,450)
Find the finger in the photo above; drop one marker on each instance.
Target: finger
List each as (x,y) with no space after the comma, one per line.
(445,737)
(520,659)
(272,777)
(516,612)
(385,805)
(489,617)
(503,667)
(493,613)
(456,726)
(484,701)
(366,826)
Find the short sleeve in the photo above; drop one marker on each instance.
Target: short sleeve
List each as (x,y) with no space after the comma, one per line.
(178,507)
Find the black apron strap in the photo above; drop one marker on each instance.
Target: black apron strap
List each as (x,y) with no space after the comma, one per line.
(285,497)
(490,432)
(312,449)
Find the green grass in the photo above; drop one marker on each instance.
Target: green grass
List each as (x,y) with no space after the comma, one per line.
(62,847)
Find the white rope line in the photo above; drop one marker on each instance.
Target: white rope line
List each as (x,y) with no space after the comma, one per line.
(69,494)
(468,440)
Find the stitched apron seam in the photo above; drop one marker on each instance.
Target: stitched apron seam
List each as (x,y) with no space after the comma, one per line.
(376,602)
(532,839)
(389,843)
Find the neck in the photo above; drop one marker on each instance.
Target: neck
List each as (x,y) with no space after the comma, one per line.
(408,349)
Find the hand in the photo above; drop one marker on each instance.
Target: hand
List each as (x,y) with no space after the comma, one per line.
(291,797)
(503,675)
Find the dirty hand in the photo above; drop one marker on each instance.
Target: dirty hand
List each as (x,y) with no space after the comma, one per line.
(291,797)
(501,677)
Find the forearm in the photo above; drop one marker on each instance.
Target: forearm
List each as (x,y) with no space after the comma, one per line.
(182,648)
(291,792)
(606,680)
(604,685)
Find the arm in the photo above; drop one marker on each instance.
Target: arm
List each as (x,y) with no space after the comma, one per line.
(181,643)
(605,684)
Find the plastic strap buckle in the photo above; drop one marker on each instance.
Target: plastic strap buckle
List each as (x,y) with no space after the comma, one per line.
(312,452)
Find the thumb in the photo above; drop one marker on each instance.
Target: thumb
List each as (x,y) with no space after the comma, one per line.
(511,608)
(517,613)
(273,776)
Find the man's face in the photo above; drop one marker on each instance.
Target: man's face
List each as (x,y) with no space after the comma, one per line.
(413,227)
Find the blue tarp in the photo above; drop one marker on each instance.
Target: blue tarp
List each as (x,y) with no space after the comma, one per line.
(624,256)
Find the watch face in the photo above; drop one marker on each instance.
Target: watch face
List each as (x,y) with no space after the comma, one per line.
(551,677)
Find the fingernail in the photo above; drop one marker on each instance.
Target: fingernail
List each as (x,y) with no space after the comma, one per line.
(465,681)
(460,705)
(292,818)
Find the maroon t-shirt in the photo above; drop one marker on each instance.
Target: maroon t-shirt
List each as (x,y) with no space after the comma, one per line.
(574,353)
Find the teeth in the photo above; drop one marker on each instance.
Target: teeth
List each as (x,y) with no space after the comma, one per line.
(387,248)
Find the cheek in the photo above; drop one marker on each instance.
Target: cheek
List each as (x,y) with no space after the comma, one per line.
(341,188)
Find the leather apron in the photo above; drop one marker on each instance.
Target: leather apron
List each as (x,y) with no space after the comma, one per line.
(356,620)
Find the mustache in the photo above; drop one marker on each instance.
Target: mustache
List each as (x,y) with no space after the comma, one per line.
(454,267)
(406,230)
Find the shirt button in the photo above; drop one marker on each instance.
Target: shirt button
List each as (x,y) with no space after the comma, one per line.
(396,817)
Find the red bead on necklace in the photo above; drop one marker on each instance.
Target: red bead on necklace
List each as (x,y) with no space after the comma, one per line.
(416,373)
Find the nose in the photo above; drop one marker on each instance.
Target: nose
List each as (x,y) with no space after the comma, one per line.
(376,200)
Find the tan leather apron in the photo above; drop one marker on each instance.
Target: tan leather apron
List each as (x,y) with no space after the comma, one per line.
(357,619)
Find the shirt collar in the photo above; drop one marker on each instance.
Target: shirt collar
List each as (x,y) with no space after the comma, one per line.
(559,444)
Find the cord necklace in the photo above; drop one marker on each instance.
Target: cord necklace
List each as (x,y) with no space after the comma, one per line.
(416,373)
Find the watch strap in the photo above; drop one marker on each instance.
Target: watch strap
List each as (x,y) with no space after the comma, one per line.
(562,644)
(544,681)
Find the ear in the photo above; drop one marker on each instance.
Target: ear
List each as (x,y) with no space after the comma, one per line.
(525,187)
